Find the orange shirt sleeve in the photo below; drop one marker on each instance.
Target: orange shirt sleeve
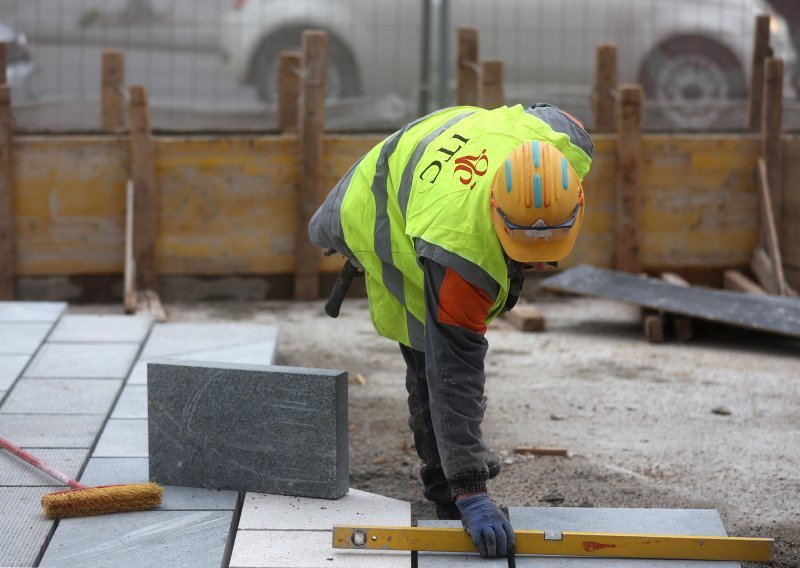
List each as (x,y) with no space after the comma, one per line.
(463,304)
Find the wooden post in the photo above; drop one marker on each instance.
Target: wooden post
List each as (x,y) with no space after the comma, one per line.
(468,67)
(129,297)
(312,128)
(761,50)
(492,87)
(289,81)
(3,62)
(771,121)
(112,95)
(7,229)
(145,191)
(629,155)
(604,106)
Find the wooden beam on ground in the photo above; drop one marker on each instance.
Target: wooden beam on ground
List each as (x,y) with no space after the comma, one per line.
(3,62)
(682,325)
(737,282)
(770,231)
(149,302)
(604,105)
(492,90)
(629,195)
(468,67)
(761,50)
(145,191)
(8,245)
(112,94)
(654,327)
(525,318)
(312,127)
(129,298)
(761,266)
(555,452)
(289,85)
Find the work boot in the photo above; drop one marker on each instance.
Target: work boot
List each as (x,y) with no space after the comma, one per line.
(447,511)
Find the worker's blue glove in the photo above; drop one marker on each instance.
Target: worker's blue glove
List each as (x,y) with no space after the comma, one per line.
(486,525)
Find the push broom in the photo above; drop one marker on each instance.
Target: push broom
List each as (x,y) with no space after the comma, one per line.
(84,501)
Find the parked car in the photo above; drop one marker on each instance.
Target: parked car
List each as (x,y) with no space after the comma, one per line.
(691,56)
(20,69)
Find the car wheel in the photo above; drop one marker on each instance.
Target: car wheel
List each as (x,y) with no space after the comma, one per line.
(342,76)
(693,80)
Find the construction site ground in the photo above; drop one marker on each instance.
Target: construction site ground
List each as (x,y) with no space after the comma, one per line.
(712,423)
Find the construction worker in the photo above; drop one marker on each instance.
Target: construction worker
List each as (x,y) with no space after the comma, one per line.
(442,217)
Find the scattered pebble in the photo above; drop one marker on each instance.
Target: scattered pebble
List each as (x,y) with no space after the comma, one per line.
(556,417)
(508,461)
(721,410)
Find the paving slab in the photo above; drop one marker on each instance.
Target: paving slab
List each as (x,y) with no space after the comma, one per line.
(78,360)
(138,374)
(22,338)
(123,438)
(61,396)
(305,549)
(454,559)
(101,329)
(11,367)
(146,539)
(31,311)
(253,428)
(280,512)
(132,403)
(15,472)
(177,340)
(23,527)
(112,471)
(51,430)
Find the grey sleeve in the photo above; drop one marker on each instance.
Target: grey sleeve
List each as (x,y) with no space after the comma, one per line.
(454,361)
(561,122)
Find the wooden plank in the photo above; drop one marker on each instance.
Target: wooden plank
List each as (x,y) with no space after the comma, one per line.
(761,50)
(145,191)
(525,318)
(112,94)
(735,281)
(8,246)
(555,452)
(492,90)
(629,192)
(681,325)
(289,84)
(312,125)
(129,298)
(762,268)
(468,91)
(3,62)
(604,104)
(674,279)
(771,124)
(764,313)
(654,328)
(770,231)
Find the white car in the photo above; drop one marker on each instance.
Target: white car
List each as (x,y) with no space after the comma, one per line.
(20,69)
(688,54)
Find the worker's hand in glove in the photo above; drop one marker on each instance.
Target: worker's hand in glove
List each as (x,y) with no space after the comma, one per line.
(486,525)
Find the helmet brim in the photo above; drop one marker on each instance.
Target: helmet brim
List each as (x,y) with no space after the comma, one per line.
(536,250)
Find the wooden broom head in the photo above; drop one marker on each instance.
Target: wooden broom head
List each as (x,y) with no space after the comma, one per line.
(102,500)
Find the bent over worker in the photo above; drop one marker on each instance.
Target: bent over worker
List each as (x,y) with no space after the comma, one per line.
(442,217)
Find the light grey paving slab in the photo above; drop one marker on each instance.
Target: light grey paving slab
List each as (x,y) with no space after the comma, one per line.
(10,368)
(51,430)
(22,338)
(144,539)
(247,427)
(112,471)
(31,311)
(78,360)
(454,559)
(305,549)
(61,396)
(23,527)
(101,329)
(14,471)
(123,438)
(132,403)
(701,522)
(138,374)
(183,339)
(280,512)
(258,353)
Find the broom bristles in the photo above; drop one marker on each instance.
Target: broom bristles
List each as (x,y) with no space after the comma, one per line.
(102,500)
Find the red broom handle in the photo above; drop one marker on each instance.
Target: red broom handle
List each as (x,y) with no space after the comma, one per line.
(39,464)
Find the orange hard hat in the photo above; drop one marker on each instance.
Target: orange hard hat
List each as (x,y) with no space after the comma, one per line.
(537,203)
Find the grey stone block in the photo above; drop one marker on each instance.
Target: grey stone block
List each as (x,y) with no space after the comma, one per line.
(14,471)
(145,539)
(61,396)
(78,360)
(23,528)
(262,429)
(10,368)
(101,329)
(132,403)
(22,338)
(112,471)
(31,311)
(51,430)
(123,438)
